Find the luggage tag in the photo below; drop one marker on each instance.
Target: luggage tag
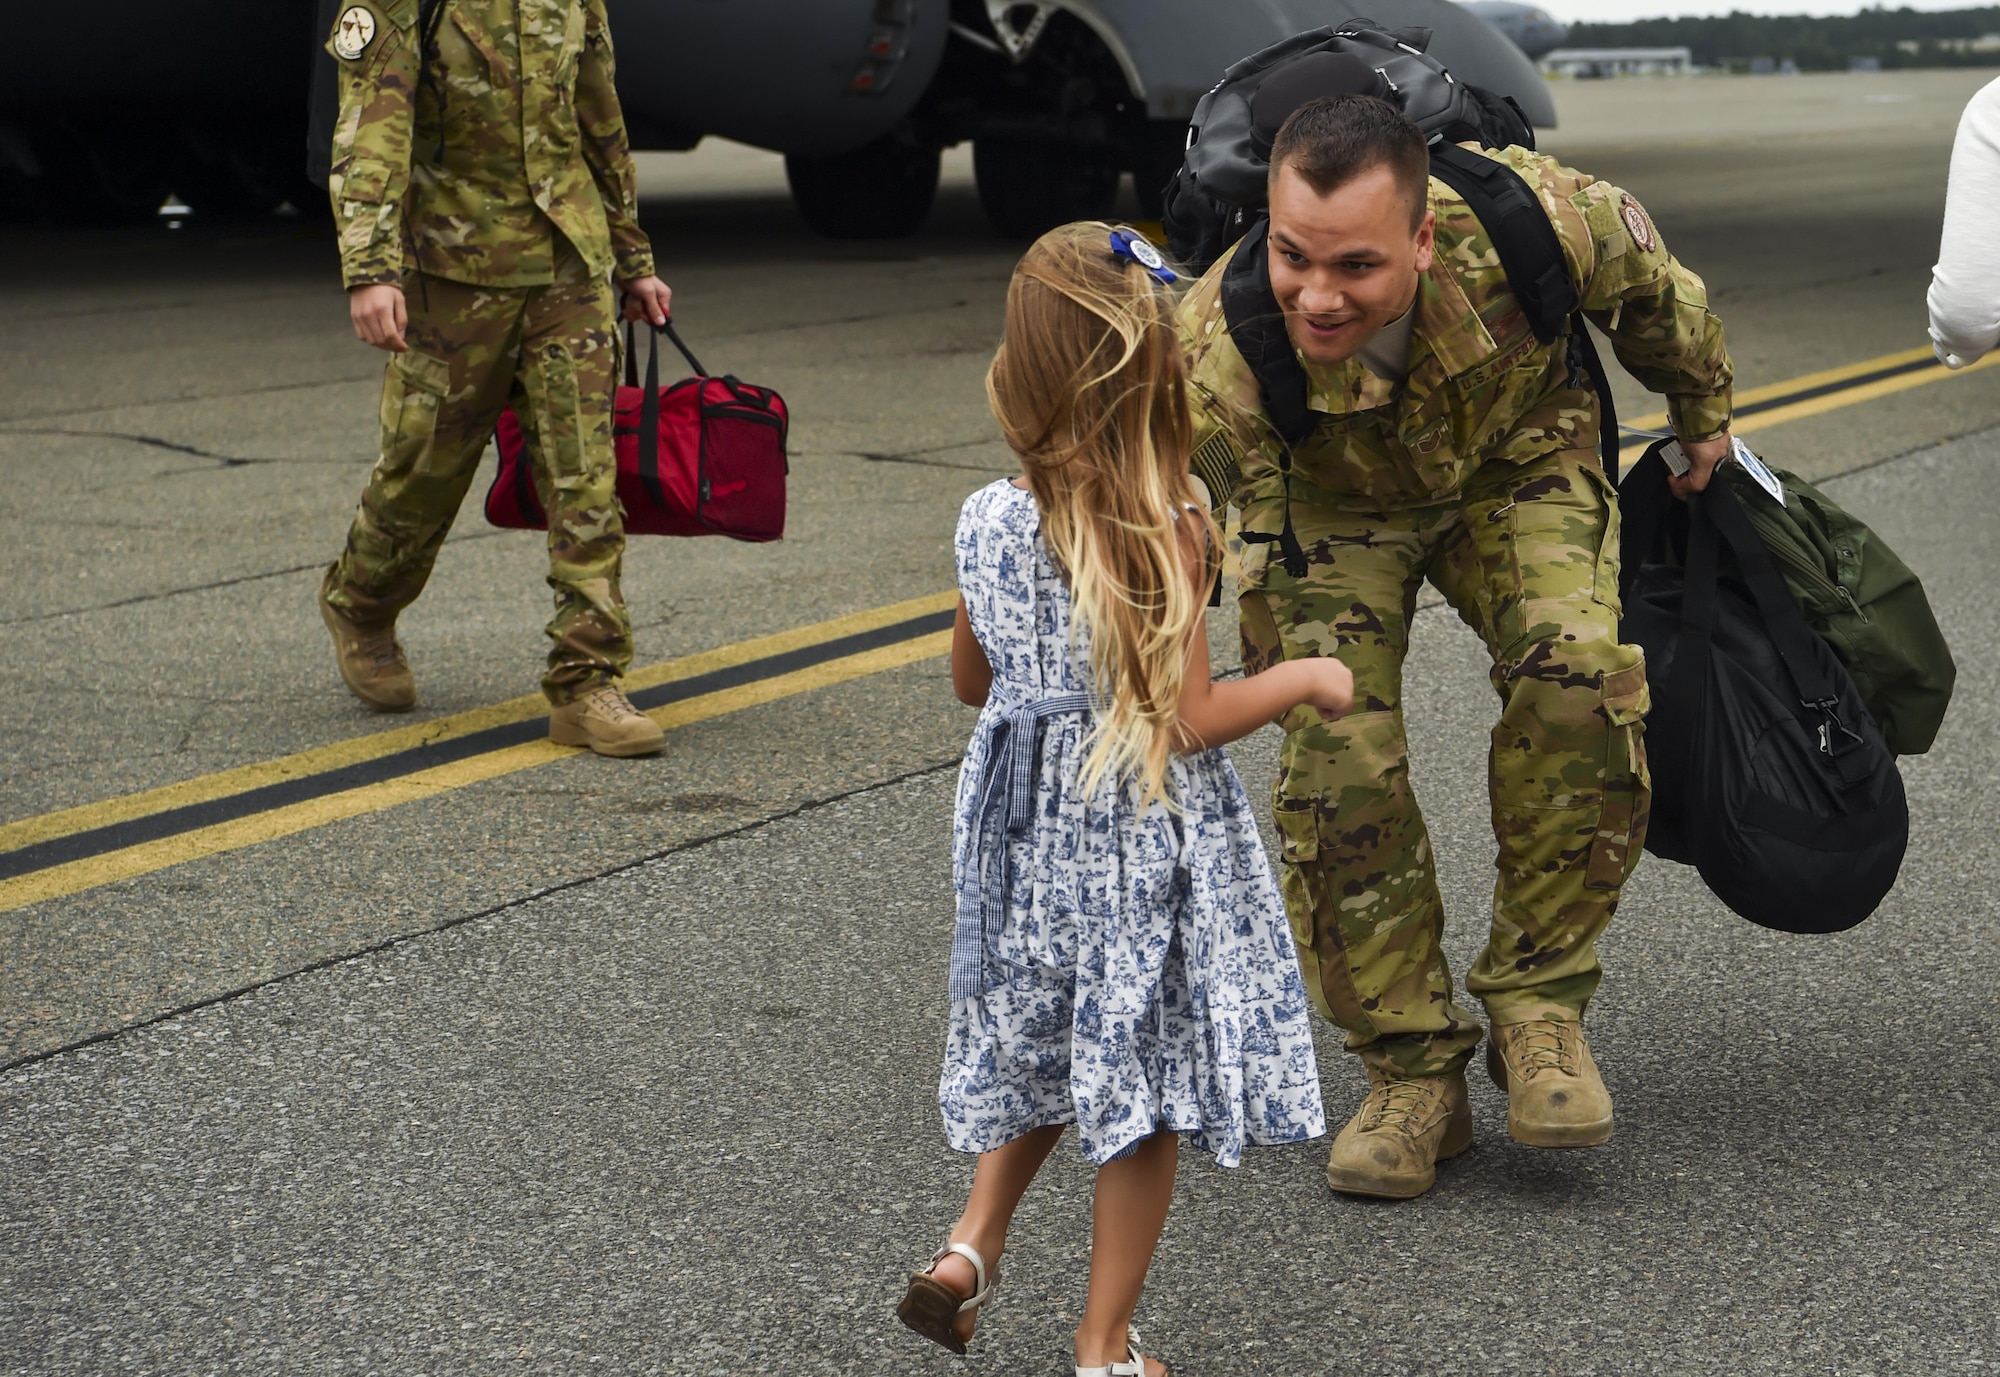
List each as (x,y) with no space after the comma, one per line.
(1758,470)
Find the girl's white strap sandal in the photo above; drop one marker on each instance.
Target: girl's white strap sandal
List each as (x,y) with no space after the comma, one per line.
(982,1288)
(1133,1366)
(930,1307)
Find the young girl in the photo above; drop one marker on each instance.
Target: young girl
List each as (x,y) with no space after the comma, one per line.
(1121,959)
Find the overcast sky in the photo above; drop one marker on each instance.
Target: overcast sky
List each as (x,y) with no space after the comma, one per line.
(1618,11)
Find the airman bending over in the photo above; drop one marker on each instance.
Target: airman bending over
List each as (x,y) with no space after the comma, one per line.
(1450,445)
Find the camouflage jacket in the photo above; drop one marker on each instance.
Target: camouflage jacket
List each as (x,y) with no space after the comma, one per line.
(1481,386)
(469,171)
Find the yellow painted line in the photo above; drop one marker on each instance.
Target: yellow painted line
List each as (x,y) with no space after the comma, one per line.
(320,759)
(147,857)
(1832,401)
(1827,377)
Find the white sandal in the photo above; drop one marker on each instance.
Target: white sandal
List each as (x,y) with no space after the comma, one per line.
(930,1307)
(1133,1366)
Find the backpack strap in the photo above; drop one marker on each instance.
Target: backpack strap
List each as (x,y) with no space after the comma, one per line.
(1531,255)
(1257,326)
(1512,215)
(1584,360)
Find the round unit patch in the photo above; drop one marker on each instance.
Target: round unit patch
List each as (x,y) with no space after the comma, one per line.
(1637,224)
(354,33)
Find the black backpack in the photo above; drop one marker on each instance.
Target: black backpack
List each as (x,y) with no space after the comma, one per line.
(1769,775)
(1219,187)
(1217,196)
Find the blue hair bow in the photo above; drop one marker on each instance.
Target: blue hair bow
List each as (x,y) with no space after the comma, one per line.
(1136,248)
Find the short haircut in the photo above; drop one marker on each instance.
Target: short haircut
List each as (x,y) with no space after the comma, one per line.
(1334,139)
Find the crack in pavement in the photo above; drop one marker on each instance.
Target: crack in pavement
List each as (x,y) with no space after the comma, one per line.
(209,587)
(915,456)
(493,911)
(155,442)
(7,423)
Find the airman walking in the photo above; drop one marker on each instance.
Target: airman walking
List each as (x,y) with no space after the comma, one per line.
(485,201)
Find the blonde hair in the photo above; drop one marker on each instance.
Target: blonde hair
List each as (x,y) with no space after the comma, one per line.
(1090,390)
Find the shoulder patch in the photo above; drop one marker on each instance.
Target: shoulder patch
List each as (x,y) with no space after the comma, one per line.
(354,32)
(1636,223)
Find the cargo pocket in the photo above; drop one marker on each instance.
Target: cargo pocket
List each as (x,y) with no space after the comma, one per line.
(362,183)
(1605,587)
(1628,785)
(412,393)
(1298,848)
(558,416)
(1298,833)
(1493,525)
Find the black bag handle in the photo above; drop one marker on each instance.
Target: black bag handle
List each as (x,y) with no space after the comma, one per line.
(649,403)
(1716,519)
(653,348)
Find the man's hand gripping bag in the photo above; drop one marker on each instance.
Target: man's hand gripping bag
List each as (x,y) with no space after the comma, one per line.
(704,456)
(1769,775)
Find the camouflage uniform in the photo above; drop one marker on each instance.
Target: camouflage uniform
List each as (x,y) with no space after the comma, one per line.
(1478,473)
(495,186)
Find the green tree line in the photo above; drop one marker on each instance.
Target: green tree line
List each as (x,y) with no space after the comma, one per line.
(1815,44)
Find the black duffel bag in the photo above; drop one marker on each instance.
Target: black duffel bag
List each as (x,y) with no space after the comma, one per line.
(1769,776)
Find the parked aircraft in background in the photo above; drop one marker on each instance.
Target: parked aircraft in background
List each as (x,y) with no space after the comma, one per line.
(1058,98)
(1532,29)
(201,98)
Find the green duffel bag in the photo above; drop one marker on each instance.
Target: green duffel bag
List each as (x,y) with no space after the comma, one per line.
(1860,596)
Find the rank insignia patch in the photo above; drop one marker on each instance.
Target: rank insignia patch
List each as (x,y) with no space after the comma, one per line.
(1635,220)
(354,33)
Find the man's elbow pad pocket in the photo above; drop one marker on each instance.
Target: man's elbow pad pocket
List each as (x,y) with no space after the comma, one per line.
(365,182)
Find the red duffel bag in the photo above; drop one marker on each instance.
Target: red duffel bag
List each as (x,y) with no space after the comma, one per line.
(705,456)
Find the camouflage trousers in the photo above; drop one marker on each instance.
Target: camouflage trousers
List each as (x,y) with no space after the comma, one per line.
(551,353)
(1528,557)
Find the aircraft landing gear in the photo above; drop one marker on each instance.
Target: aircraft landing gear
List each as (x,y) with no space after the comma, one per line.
(882,190)
(1029,185)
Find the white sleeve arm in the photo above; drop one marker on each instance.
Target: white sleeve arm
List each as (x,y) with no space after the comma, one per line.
(1965,286)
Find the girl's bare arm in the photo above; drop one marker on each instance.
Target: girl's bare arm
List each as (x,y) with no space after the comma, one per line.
(971,675)
(1213,714)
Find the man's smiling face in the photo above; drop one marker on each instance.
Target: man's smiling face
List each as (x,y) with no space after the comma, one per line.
(1345,264)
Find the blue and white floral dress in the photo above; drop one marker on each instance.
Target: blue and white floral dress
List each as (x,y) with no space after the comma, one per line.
(1121,969)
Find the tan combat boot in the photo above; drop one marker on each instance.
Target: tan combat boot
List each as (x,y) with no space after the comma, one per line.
(1555,1098)
(371,662)
(1405,1127)
(604,719)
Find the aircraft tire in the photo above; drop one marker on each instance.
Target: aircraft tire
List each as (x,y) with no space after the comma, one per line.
(882,190)
(1028,186)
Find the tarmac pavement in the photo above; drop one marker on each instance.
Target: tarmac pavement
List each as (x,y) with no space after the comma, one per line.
(649,1086)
